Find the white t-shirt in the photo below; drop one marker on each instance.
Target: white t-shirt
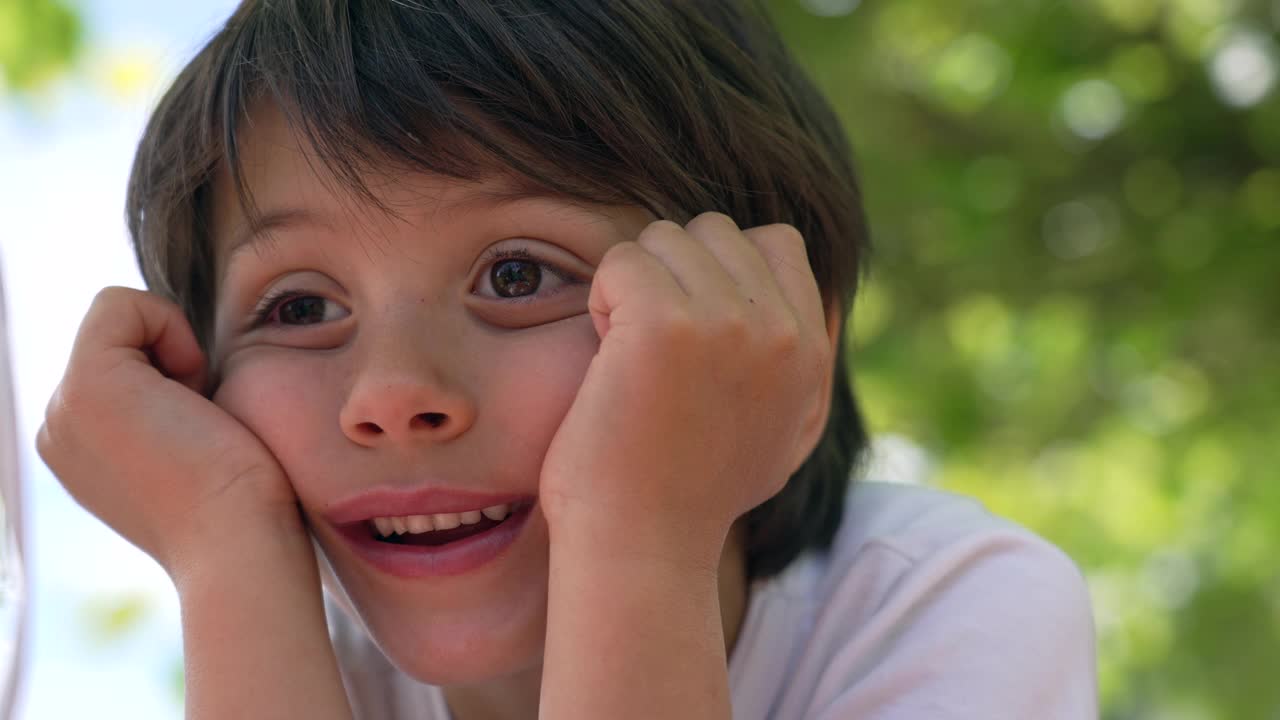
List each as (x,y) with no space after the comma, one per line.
(927,607)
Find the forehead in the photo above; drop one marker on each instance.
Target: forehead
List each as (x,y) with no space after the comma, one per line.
(289,181)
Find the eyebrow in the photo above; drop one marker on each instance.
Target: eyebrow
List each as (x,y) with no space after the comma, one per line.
(263,224)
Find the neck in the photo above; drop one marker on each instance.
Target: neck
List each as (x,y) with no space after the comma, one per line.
(516,697)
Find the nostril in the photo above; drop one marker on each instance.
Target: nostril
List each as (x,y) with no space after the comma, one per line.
(433,419)
(370,428)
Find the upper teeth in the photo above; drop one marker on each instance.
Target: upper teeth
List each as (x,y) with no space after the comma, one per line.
(415,524)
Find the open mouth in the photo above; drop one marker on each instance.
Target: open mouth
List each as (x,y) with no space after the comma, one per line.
(444,528)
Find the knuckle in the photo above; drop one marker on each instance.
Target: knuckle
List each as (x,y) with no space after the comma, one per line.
(781,234)
(712,219)
(613,255)
(788,233)
(619,260)
(657,230)
(622,249)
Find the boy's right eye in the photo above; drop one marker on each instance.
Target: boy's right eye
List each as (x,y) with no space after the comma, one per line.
(289,307)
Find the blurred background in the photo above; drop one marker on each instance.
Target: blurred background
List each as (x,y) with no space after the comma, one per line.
(1073,315)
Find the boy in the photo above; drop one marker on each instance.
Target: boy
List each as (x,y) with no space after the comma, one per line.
(469,288)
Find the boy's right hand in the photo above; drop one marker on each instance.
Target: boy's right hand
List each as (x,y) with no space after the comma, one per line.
(134,441)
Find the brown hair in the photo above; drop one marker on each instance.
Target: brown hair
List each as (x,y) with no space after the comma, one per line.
(678,107)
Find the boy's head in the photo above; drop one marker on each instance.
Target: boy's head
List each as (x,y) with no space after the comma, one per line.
(389,113)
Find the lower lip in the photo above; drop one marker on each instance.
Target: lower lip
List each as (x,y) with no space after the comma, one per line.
(455,558)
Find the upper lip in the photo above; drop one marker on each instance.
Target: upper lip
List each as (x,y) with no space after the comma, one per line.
(397,502)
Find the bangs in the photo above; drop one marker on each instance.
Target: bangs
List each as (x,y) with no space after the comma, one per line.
(457,91)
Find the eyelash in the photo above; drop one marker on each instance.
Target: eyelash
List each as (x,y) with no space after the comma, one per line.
(270,302)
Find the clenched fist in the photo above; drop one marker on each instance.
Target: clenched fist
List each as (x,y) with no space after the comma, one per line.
(134,441)
(710,388)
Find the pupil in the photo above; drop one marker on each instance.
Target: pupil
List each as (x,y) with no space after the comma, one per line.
(302,311)
(516,277)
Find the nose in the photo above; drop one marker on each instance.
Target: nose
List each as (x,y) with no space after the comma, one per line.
(401,395)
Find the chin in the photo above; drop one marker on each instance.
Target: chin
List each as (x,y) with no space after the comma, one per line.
(455,631)
(447,644)
(466,666)
(462,663)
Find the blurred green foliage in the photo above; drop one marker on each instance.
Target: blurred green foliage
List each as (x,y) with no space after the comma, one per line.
(38,41)
(1075,300)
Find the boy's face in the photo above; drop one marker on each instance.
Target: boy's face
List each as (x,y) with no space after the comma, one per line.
(398,361)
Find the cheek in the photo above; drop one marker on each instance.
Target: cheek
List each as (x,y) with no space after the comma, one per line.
(526,399)
(284,399)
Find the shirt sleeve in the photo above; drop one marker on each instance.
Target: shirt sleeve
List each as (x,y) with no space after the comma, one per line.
(991,627)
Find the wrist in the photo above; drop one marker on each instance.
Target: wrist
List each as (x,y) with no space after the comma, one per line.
(624,599)
(255,637)
(255,544)
(664,545)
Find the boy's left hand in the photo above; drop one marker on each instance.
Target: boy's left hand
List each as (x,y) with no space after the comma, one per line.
(710,388)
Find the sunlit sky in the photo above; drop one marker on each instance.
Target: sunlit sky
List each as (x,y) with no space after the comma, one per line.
(66,159)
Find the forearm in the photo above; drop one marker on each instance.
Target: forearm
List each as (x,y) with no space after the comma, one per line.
(255,640)
(631,633)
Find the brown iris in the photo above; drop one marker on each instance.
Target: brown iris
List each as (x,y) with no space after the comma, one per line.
(515,278)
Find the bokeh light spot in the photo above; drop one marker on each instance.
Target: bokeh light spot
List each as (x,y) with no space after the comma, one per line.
(1093,109)
(1243,67)
(970,72)
(1074,230)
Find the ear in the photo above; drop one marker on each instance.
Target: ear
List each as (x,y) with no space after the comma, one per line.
(812,432)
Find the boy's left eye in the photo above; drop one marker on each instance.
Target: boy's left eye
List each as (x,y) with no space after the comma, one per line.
(515,274)
(515,278)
